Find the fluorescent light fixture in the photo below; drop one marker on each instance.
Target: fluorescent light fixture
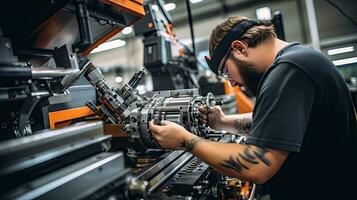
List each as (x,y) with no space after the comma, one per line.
(127,30)
(155,7)
(109,45)
(169,6)
(345,61)
(340,50)
(263,13)
(118,79)
(195,1)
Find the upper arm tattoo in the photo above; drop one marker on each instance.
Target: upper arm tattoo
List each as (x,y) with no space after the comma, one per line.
(251,154)
(243,125)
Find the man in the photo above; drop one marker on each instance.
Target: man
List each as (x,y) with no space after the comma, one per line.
(302,142)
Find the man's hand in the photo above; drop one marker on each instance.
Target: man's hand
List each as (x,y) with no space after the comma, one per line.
(214,117)
(170,135)
(217,120)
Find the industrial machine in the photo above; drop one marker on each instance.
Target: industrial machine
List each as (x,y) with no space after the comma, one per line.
(125,106)
(66,134)
(49,38)
(171,63)
(51,164)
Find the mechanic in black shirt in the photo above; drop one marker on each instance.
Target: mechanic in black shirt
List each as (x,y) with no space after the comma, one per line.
(302,141)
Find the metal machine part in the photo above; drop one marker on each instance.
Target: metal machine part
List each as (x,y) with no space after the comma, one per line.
(115,102)
(187,181)
(24,159)
(180,175)
(127,107)
(81,180)
(53,163)
(27,86)
(179,106)
(80,24)
(40,63)
(172,64)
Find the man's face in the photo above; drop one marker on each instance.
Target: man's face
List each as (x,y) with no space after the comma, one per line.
(243,73)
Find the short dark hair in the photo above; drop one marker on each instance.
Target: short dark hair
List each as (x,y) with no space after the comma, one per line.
(263,31)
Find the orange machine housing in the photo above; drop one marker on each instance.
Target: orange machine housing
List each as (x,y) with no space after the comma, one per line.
(134,7)
(244,104)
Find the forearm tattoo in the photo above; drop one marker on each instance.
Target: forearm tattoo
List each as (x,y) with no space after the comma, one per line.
(243,125)
(251,154)
(191,144)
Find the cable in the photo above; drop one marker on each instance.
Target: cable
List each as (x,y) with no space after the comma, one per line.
(190,22)
(342,12)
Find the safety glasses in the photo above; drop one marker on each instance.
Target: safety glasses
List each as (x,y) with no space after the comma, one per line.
(222,69)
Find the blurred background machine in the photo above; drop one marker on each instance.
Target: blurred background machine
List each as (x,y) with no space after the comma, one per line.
(48,38)
(67,134)
(171,63)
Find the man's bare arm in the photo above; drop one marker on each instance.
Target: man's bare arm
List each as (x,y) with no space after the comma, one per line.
(247,162)
(217,120)
(238,124)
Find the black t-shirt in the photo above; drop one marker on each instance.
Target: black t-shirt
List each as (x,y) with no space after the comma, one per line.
(304,107)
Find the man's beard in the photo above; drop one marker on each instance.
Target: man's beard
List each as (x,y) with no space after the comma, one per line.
(250,76)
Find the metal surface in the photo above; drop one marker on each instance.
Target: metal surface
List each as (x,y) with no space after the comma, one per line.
(47,139)
(163,170)
(68,80)
(25,159)
(155,169)
(25,112)
(76,181)
(189,179)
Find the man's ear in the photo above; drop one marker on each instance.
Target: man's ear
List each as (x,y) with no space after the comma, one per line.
(239,47)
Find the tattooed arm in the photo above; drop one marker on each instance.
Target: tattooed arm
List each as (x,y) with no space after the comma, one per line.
(238,124)
(217,120)
(247,162)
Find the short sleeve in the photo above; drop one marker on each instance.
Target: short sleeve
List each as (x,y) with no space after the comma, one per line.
(282,109)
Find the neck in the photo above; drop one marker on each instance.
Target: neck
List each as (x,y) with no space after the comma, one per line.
(272,49)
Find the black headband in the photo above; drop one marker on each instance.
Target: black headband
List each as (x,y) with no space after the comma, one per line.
(218,53)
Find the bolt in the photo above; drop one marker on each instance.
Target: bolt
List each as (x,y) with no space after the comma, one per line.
(3,125)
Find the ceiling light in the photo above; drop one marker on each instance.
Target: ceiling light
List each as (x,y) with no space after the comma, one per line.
(263,13)
(109,45)
(169,6)
(195,1)
(127,30)
(345,61)
(340,50)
